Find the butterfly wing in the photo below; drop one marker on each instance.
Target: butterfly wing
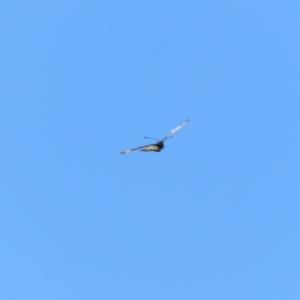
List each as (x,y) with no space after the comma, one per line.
(151,147)
(176,129)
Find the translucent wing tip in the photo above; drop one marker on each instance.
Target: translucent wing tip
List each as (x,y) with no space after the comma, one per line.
(125,151)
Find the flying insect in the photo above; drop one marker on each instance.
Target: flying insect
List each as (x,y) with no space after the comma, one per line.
(157,147)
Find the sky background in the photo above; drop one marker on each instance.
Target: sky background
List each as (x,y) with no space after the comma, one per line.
(215,215)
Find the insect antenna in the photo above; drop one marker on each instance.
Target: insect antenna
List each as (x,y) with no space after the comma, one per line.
(150,138)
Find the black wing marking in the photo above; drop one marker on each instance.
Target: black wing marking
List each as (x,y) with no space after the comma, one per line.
(176,129)
(150,147)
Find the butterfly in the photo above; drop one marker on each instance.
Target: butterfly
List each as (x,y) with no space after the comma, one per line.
(160,143)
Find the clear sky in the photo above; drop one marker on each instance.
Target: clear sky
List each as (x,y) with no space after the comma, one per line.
(215,215)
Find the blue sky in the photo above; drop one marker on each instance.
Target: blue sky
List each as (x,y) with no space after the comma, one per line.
(215,215)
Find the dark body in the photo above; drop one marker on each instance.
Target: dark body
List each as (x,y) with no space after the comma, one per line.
(154,147)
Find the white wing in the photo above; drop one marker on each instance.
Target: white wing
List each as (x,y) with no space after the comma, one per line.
(176,129)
